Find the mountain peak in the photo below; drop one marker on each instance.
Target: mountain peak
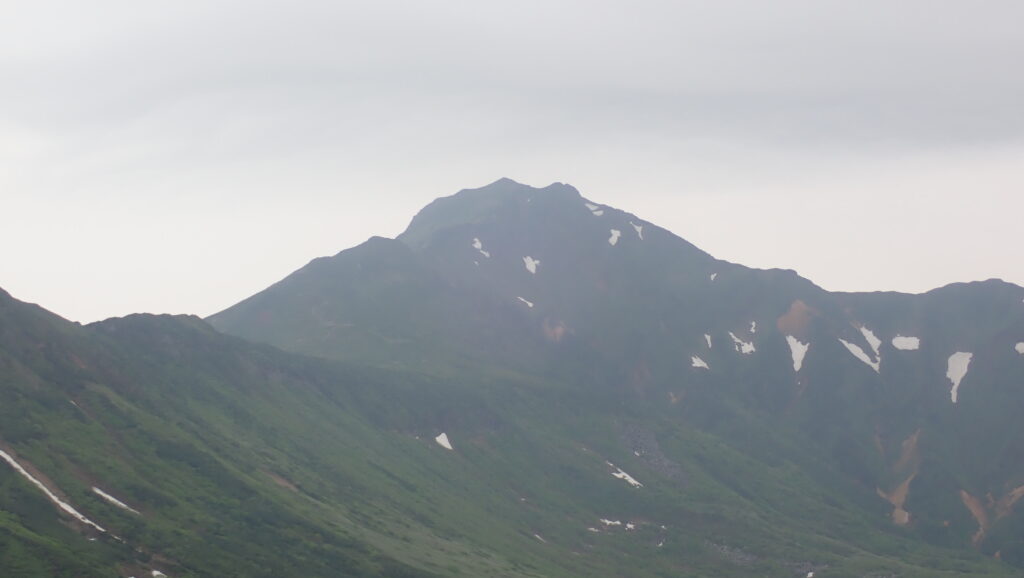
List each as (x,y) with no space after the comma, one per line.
(484,204)
(505,181)
(511,184)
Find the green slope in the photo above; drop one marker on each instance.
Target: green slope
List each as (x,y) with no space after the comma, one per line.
(243,460)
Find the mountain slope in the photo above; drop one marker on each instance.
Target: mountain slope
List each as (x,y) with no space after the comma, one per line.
(641,322)
(239,459)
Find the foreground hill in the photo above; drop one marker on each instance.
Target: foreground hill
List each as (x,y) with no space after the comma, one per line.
(153,443)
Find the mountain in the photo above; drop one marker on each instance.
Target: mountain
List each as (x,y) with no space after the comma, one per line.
(911,398)
(523,383)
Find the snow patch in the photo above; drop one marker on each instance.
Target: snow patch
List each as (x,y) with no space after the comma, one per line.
(528,303)
(859,354)
(712,276)
(742,346)
(537,536)
(618,473)
(956,369)
(442,440)
(158,574)
(639,229)
(114,500)
(799,351)
(873,341)
(595,210)
(906,343)
(698,362)
(615,237)
(753,326)
(611,522)
(708,339)
(630,526)
(1020,348)
(53,498)
(593,530)
(480,247)
(531,264)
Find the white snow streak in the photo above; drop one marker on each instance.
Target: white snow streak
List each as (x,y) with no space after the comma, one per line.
(873,341)
(114,500)
(442,440)
(713,275)
(528,303)
(956,369)
(53,498)
(1020,348)
(615,237)
(611,522)
(639,230)
(708,339)
(595,210)
(537,536)
(618,473)
(480,247)
(799,350)
(630,526)
(531,264)
(753,326)
(906,343)
(859,354)
(698,362)
(742,346)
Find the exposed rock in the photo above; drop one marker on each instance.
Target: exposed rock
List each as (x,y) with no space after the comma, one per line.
(732,554)
(643,443)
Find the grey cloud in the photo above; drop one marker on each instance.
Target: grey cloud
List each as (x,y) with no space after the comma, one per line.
(913,70)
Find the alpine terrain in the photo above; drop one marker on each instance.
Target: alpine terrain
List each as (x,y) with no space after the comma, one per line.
(524,383)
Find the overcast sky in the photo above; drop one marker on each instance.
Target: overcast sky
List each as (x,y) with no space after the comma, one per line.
(179,156)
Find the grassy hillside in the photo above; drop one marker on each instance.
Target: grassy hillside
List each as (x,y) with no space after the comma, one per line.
(243,460)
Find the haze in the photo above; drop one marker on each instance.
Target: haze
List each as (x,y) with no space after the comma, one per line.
(180,156)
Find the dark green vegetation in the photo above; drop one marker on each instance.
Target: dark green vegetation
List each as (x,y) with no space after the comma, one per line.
(244,460)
